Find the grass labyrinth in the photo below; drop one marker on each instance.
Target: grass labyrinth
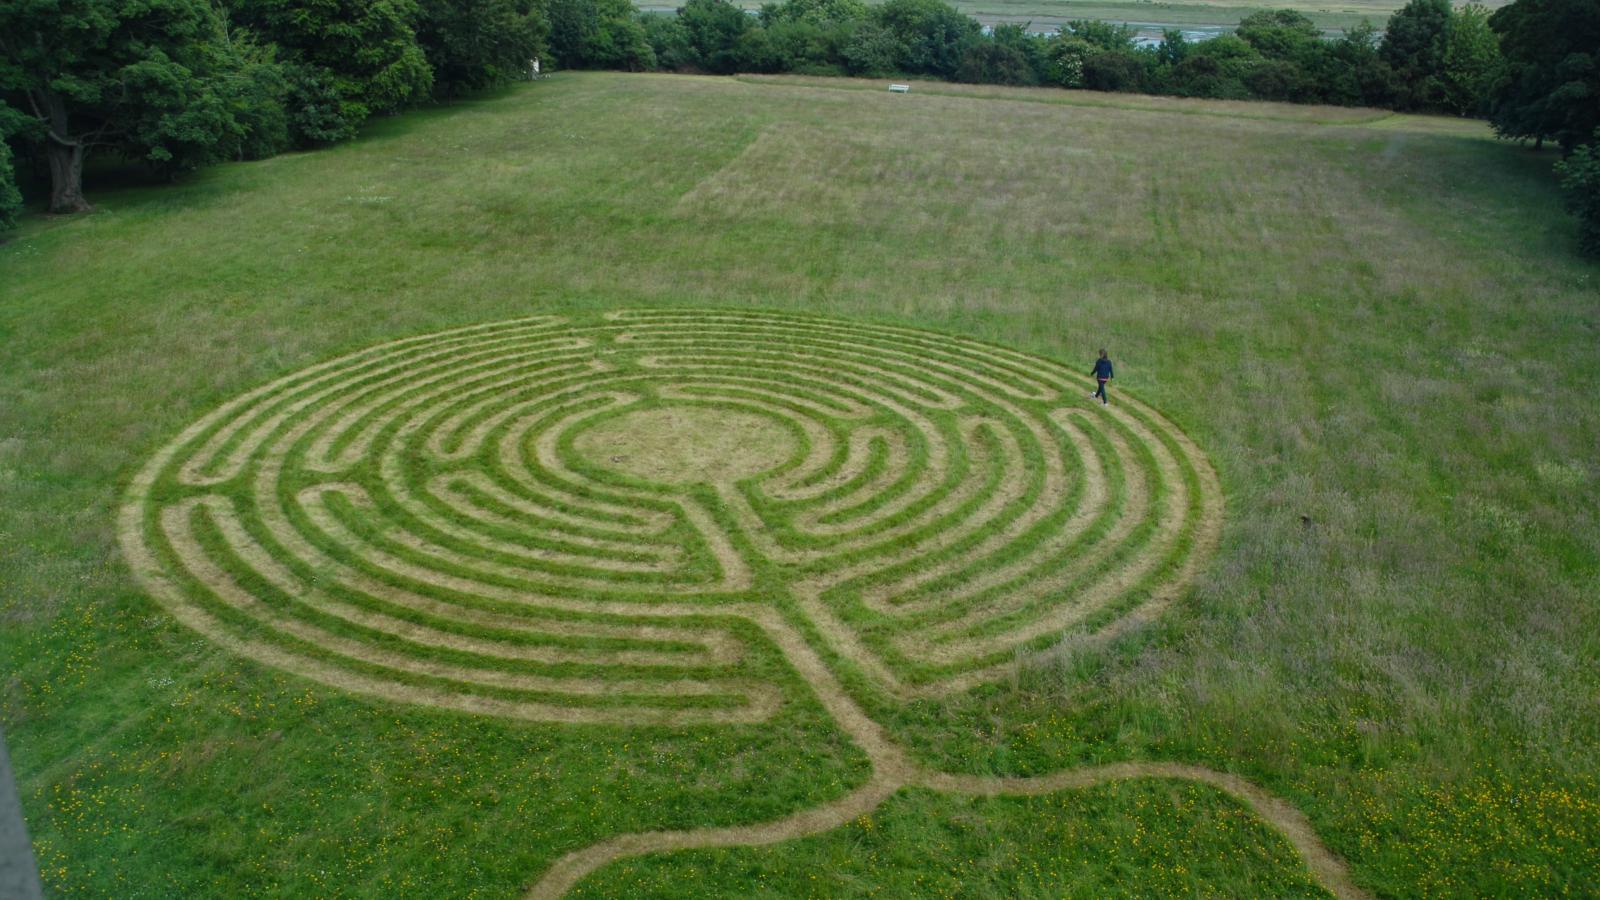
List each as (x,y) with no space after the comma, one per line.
(709,577)
(566,521)
(591,521)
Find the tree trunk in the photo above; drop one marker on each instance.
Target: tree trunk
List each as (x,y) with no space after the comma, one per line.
(66,177)
(64,153)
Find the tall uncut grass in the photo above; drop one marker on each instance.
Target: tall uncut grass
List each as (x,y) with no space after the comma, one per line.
(1375,325)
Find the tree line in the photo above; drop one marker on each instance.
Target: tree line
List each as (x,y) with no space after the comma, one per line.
(178,84)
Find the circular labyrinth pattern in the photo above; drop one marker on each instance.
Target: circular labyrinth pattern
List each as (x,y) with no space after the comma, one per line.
(593,520)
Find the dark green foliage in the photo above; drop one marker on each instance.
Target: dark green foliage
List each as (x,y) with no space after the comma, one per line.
(143,78)
(1031,47)
(1280,34)
(10,197)
(356,58)
(599,34)
(1470,61)
(816,12)
(621,43)
(755,51)
(1551,85)
(1413,46)
(572,27)
(257,94)
(933,34)
(715,27)
(316,110)
(1105,35)
(669,40)
(1580,183)
(1110,70)
(1009,56)
(475,44)
(808,46)
(1354,73)
(1214,69)
(1174,47)
(1065,58)
(989,62)
(1277,79)
(872,49)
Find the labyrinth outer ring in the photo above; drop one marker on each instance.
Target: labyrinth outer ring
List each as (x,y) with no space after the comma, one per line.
(418,521)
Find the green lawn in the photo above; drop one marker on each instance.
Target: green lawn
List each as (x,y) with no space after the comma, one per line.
(1374,325)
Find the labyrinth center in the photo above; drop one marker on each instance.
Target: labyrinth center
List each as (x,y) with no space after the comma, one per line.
(594,519)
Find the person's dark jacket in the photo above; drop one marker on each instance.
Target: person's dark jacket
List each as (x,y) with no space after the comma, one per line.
(1102,369)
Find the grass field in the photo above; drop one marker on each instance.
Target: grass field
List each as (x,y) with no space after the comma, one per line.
(1373,327)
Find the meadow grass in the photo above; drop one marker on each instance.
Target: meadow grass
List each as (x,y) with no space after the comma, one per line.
(1374,326)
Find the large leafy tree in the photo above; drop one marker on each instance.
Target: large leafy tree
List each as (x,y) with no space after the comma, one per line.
(933,34)
(1351,71)
(715,28)
(1414,46)
(1551,86)
(140,77)
(474,44)
(1470,60)
(600,34)
(668,40)
(346,59)
(871,49)
(1280,34)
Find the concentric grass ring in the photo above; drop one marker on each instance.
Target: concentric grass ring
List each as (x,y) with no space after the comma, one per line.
(588,520)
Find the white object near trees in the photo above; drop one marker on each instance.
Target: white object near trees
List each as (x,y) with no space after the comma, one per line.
(899,88)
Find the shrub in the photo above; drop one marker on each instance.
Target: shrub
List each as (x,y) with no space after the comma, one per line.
(988,62)
(257,97)
(871,50)
(1580,183)
(316,110)
(669,40)
(815,12)
(10,197)
(475,44)
(1280,34)
(1065,58)
(1469,62)
(933,34)
(1278,79)
(1104,35)
(1114,70)
(715,27)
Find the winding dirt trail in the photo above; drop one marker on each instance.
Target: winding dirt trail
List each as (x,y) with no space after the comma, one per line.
(449,520)
(892,769)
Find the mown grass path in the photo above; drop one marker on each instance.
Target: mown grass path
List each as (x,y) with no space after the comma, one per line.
(546,519)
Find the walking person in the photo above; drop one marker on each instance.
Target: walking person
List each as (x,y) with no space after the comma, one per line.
(1102,373)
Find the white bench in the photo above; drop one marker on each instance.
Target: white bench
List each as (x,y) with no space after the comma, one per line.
(899,88)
